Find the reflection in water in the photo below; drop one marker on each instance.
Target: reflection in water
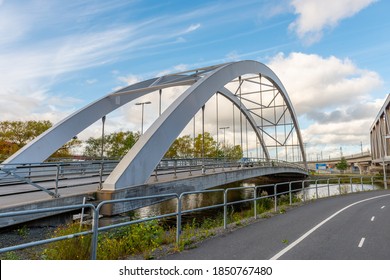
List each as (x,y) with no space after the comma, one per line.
(193,201)
(323,190)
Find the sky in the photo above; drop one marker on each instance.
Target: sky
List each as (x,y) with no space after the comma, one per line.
(332,57)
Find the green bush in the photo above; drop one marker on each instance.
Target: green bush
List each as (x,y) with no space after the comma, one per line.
(114,244)
(77,248)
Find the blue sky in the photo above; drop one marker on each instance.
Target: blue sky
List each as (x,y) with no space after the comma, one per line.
(332,56)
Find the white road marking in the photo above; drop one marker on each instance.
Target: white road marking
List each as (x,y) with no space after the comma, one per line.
(300,239)
(361,242)
(383,207)
(373,218)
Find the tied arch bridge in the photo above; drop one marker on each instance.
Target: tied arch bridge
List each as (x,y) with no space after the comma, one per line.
(258,102)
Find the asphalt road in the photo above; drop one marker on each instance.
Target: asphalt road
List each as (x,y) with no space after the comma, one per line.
(354,226)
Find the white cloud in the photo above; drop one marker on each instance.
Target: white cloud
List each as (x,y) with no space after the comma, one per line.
(35,104)
(315,16)
(333,95)
(192,28)
(325,82)
(91,81)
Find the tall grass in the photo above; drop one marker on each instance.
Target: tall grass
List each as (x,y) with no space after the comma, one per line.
(144,238)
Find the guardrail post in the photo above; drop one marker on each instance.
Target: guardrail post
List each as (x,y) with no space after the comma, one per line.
(275,196)
(178,220)
(101,175)
(155,175)
(372,181)
(175,166)
(225,209)
(303,191)
(190,174)
(289,192)
(316,189)
(57,179)
(95,232)
(255,202)
(361,181)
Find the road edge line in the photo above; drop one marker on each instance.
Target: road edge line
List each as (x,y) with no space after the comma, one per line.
(300,239)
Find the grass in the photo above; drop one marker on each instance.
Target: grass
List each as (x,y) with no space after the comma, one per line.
(147,238)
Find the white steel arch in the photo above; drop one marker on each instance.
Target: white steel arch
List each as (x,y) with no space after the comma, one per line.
(136,167)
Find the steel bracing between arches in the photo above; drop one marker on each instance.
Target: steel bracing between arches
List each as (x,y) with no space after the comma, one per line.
(271,116)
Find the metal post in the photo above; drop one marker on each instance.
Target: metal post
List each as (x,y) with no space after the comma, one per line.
(95,232)
(82,213)
(225,209)
(303,191)
(101,175)
(159,102)
(142,114)
(316,189)
(234,128)
(178,221)
(275,196)
(328,188)
(216,101)
(361,181)
(255,202)
(203,170)
(102,149)
(57,179)
(224,145)
(155,175)
(289,192)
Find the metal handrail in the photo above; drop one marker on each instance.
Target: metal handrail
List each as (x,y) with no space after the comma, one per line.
(178,213)
(35,173)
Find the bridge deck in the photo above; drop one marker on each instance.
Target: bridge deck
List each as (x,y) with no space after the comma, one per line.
(183,181)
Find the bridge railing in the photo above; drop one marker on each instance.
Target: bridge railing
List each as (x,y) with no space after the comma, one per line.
(50,177)
(305,193)
(189,165)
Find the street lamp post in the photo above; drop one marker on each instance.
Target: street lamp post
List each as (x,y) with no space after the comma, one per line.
(224,130)
(142,114)
(224,143)
(102,150)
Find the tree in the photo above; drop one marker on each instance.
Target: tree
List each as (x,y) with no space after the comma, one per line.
(186,147)
(233,152)
(210,148)
(66,150)
(342,165)
(16,134)
(181,147)
(19,133)
(116,144)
